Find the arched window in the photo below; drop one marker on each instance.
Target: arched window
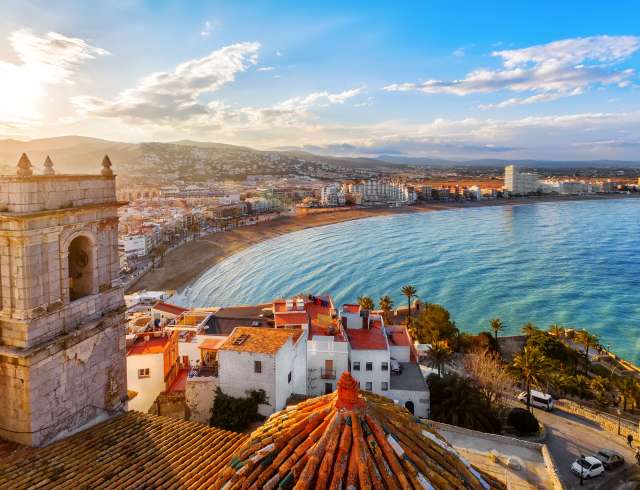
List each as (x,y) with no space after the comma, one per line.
(80,267)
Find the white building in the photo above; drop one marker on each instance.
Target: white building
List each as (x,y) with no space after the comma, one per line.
(520,183)
(332,196)
(152,364)
(373,347)
(137,245)
(269,359)
(259,204)
(379,192)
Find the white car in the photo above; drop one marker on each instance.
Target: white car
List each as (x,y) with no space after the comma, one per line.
(588,466)
(538,400)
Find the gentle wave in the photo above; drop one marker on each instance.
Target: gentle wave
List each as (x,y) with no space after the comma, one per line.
(574,263)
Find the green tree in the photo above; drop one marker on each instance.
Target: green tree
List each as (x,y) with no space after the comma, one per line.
(409,291)
(556,330)
(433,324)
(439,355)
(529,329)
(579,386)
(386,305)
(628,388)
(366,302)
(456,401)
(497,326)
(530,366)
(231,413)
(587,340)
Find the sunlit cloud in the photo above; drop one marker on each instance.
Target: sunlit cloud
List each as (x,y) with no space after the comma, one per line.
(555,69)
(169,97)
(45,61)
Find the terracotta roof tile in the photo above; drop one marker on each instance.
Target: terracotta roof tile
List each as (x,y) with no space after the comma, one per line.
(133,450)
(258,339)
(367,339)
(155,345)
(291,318)
(348,439)
(170,308)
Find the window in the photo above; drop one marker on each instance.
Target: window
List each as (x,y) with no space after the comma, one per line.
(369,366)
(257,366)
(356,366)
(143,373)
(289,377)
(368,386)
(384,366)
(384,386)
(80,265)
(328,388)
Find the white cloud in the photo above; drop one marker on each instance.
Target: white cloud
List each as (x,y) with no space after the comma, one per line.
(559,68)
(266,68)
(458,53)
(278,53)
(44,61)
(166,97)
(207,29)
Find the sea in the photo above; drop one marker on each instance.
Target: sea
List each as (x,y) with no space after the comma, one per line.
(574,263)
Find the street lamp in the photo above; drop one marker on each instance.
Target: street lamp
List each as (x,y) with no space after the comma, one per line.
(581,470)
(619,412)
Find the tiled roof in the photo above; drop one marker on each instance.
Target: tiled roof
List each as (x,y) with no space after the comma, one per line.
(155,345)
(349,439)
(170,308)
(367,339)
(133,450)
(291,318)
(261,340)
(212,344)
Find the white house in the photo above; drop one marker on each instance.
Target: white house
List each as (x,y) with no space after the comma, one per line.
(269,359)
(383,360)
(152,365)
(135,245)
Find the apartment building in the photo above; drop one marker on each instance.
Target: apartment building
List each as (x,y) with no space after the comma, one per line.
(520,183)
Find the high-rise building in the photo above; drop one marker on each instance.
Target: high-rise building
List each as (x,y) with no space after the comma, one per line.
(62,338)
(520,183)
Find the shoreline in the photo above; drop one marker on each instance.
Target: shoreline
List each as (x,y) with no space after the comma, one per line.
(185,264)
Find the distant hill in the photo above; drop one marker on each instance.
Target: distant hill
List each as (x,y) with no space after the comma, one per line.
(498,162)
(184,159)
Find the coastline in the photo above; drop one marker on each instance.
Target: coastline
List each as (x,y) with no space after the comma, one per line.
(183,265)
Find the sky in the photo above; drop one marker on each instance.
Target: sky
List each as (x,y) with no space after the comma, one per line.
(442,79)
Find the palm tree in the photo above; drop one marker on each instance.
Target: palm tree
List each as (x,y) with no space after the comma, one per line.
(386,305)
(365,302)
(497,326)
(531,366)
(439,355)
(529,329)
(556,330)
(628,388)
(587,340)
(409,291)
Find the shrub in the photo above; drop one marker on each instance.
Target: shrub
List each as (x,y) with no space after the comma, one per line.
(523,421)
(236,414)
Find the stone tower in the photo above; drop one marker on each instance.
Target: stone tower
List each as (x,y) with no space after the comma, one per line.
(62,338)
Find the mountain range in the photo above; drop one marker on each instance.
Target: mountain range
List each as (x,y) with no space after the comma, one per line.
(80,154)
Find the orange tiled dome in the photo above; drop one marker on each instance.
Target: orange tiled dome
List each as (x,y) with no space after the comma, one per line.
(349,439)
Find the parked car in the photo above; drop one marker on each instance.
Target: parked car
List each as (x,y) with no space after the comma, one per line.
(609,459)
(396,368)
(538,400)
(588,466)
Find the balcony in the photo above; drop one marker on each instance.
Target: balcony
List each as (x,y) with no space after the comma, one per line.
(204,372)
(328,373)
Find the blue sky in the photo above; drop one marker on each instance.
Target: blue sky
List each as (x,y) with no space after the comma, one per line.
(443,79)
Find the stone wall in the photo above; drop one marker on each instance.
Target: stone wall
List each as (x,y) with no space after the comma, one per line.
(200,394)
(170,405)
(65,384)
(605,421)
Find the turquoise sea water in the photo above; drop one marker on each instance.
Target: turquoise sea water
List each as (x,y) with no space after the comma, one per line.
(574,263)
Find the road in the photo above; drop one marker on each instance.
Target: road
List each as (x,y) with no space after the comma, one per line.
(569,436)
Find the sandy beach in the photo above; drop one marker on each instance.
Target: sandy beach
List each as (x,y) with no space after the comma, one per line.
(187,262)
